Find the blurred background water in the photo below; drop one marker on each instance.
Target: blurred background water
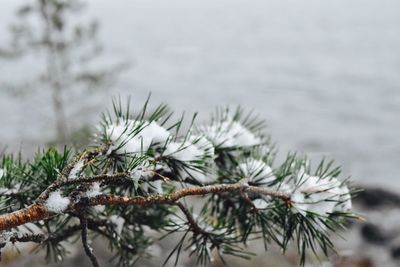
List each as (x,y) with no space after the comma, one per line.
(324,74)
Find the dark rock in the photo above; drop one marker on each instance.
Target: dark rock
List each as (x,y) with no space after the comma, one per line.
(377,197)
(373,234)
(395,252)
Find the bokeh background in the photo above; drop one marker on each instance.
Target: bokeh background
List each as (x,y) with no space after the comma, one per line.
(325,75)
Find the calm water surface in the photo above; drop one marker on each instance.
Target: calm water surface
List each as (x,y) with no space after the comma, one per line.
(324,74)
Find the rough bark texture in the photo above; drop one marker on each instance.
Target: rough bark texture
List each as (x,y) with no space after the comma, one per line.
(32,213)
(38,211)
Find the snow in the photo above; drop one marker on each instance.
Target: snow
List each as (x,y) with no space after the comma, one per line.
(203,144)
(345,200)
(196,148)
(284,187)
(154,250)
(183,151)
(202,177)
(260,203)
(155,132)
(76,169)
(15,189)
(257,171)
(136,136)
(2,173)
(320,195)
(230,133)
(157,185)
(203,224)
(5,236)
(57,203)
(94,190)
(118,222)
(141,172)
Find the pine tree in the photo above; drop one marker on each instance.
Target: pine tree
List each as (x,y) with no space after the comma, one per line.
(215,186)
(52,31)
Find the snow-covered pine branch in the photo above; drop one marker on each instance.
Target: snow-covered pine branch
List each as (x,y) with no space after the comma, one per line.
(147,159)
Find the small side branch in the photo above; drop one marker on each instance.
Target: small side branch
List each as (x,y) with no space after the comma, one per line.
(86,156)
(192,222)
(64,235)
(88,249)
(36,238)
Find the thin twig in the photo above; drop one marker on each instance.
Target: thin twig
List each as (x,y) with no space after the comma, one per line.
(192,222)
(96,229)
(86,246)
(36,238)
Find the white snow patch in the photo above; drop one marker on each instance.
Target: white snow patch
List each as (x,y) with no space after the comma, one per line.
(155,132)
(201,177)
(16,188)
(136,136)
(154,250)
(230,133)
(320,196)
(94,190)
(260,203)
(203,144)
(201,222)
(141,172)
(196,148)
(5,236)
(154,185)
(76,169)
(118,222)
(99,208)
(157,185)
(57,203)
(183,151)
(257,171)
(345,200)
(284,187)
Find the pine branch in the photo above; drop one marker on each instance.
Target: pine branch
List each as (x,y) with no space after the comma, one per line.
(140,171)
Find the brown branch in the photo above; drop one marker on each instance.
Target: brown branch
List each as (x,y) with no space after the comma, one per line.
(38,211)
(32,213)
(191,191)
